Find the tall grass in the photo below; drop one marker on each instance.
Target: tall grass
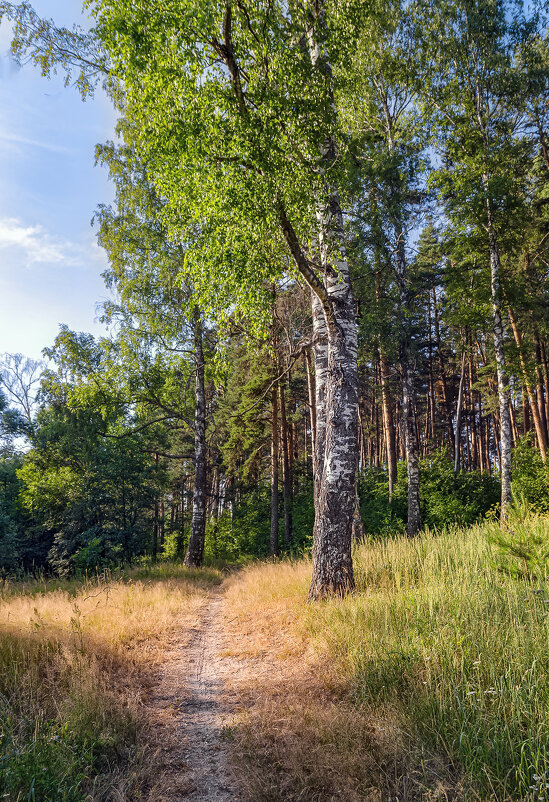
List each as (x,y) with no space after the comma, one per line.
(441,641)
(75,658)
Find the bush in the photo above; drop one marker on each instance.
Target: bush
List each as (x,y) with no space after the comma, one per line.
(247,532)
(522,543)
(530,475)
(446,498)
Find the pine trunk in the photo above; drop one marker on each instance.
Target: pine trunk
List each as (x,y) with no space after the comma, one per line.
(539,424)
(459,409)
(286,474)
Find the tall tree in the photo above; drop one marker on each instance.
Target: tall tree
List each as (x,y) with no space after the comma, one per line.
(474,92)
(255,127)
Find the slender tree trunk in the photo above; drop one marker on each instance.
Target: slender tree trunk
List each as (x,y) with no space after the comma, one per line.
(156,519)
(388,422)
(274,473)
(358,531)
(473,416)
(445,396)
(311,388)
(538,423)
(195,549)
(502,378)
(545,369)
(215,493)
(362,440)
(481,452)
(408,396)
(286,475)
(386,400)
(405,355)
(458,413)
(514,429)
(541,389)
(431,409)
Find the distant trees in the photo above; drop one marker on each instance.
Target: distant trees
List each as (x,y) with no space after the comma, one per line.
(20,380)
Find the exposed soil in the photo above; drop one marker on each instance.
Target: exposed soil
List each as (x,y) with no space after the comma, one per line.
(192,716)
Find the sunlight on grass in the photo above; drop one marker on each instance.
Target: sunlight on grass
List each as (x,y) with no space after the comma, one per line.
(74,659)
(440,638)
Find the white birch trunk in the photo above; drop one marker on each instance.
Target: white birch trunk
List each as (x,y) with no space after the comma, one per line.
(195,549)
(503,380)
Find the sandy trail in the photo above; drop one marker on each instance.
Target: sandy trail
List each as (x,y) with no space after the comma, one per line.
(191,711)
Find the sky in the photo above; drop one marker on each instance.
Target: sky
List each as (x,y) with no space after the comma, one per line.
(50,264)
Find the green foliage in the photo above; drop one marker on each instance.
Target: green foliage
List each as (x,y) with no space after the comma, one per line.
(447,499)
(522,543)
(86,498)
(246,533)
(530,476)
(11,515)
(378,515)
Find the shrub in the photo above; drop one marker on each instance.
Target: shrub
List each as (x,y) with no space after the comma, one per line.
(447,499)
(522,543)
(531,475)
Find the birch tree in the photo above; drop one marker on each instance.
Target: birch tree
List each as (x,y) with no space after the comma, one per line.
(237,109)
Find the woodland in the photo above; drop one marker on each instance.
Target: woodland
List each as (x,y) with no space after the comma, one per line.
(327,355)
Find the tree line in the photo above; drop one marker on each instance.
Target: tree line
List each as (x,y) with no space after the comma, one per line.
(329,260)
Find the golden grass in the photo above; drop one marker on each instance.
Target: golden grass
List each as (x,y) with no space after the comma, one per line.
(118,615)
(297,736)
(75,661)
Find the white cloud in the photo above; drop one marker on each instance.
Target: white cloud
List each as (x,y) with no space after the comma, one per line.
(33,243)
(24,245)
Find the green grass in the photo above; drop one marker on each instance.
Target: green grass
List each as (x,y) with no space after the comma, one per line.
(430,682)
(439,633)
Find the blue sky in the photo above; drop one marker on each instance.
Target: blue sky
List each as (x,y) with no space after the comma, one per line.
(50,265)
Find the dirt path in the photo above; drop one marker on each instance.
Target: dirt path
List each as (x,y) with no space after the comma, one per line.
(192,762)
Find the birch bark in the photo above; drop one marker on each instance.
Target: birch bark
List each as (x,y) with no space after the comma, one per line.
(195,549)
(501,366)
(337,396)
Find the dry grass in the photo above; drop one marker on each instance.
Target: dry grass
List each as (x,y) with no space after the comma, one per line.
(300,737)
(75,661)
(429,683)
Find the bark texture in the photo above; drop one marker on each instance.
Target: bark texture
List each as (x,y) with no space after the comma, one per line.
(195,549)
(335,342)
(502,378)
(274,473)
